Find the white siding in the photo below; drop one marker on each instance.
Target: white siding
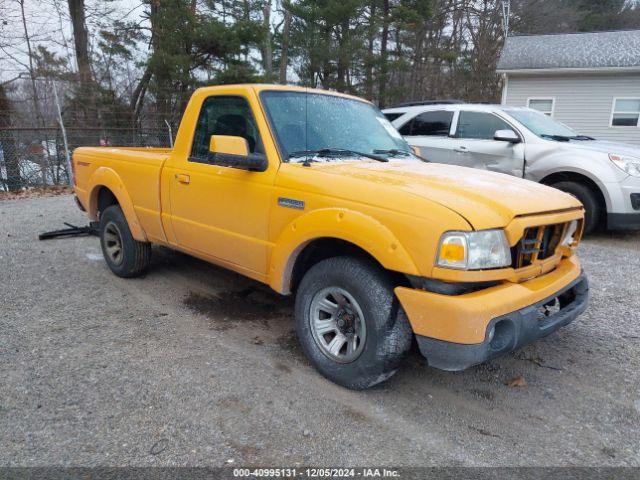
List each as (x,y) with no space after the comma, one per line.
(582,101)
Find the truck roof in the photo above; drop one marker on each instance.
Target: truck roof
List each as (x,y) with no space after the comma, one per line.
(259,87)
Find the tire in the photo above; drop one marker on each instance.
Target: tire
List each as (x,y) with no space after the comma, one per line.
(125,256)
(386,339)
(592,210)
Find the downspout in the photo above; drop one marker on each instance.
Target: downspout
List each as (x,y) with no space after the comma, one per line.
(505,86)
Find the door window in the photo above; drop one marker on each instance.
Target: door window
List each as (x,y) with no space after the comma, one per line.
(479,125)
(430,124)
(224,115)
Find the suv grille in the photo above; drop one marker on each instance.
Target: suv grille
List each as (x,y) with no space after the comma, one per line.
(537,243)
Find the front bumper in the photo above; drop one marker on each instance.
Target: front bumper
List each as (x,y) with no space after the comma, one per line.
(511,331)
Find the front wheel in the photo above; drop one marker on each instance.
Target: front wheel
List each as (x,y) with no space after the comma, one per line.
(349,322)
(592,210)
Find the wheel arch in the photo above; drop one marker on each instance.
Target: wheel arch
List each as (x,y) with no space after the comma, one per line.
(108,189)
(569,176)
(328,233)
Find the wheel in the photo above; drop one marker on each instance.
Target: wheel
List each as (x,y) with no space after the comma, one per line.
(592,211)
(349,322)
(125,256)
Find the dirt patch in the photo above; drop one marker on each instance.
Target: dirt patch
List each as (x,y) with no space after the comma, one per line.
(36,192)
(229,308)
(245,452)
(281,367)
(356,415)
(232,402)
(482,393)
(288,343)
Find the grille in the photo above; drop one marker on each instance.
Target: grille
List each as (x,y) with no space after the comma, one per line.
(537,243)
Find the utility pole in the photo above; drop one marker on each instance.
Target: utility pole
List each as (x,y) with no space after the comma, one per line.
(506,9)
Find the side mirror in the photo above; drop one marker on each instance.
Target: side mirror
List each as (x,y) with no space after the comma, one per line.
(506,136)
(233,152)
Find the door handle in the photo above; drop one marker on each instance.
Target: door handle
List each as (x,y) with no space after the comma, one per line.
(183,178)
(461,150)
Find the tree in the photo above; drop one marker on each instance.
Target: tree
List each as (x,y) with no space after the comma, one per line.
(81,40)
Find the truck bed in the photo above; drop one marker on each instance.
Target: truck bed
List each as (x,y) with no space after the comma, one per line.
(132,171)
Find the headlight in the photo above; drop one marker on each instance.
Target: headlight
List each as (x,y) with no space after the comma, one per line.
(474,250)
(628,164)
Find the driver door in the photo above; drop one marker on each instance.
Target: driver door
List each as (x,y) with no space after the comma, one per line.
(221,212)
(473,144)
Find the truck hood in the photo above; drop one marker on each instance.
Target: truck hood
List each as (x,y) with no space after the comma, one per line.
(485,199)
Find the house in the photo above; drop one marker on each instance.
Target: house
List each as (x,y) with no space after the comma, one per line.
(589,81)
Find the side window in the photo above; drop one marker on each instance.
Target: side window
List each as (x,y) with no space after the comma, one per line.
(224,115)
(406,128)
(479,125)
(436,123)
(392,116)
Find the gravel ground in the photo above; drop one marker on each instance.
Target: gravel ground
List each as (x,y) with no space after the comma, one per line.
(193,365)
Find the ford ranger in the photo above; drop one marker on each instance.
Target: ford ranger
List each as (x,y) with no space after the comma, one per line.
(315,193)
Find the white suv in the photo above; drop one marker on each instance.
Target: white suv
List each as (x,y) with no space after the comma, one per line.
(523,142)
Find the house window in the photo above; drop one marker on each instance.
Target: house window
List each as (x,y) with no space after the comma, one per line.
(544,105)
(626,112)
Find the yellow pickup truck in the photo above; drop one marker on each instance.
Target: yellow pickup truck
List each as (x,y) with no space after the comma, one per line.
(315,193)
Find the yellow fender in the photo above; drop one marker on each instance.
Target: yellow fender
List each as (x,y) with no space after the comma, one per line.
(356,228)
(106,177)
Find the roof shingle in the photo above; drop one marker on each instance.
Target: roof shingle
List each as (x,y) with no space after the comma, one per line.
(617,49)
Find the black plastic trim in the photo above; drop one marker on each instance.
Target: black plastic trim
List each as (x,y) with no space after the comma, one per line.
(623,221)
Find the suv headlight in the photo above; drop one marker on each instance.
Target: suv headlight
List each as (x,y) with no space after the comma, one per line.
(630,165)
(474,250)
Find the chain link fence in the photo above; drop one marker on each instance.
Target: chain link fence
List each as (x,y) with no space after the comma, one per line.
(37,157)
(41,123)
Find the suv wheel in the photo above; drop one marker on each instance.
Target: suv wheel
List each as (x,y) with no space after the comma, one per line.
(349,322)
(592,211)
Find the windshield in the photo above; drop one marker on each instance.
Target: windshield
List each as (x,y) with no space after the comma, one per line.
(309,122)
(542,125)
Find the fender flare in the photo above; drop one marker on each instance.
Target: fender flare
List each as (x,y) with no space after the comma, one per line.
(361,230)
(106,177)
(584,173)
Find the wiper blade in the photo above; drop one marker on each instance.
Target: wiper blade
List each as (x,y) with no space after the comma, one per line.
(326,152)
(558,138)
(582,137)
(392,151)
(396,151)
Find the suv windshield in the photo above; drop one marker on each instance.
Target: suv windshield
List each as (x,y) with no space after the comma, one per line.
(305,123)
(541,124)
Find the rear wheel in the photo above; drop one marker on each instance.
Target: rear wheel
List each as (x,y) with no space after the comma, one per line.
(125,256)
(349,322)
(592,210)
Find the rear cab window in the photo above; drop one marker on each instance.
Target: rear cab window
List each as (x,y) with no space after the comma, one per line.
(435,123)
